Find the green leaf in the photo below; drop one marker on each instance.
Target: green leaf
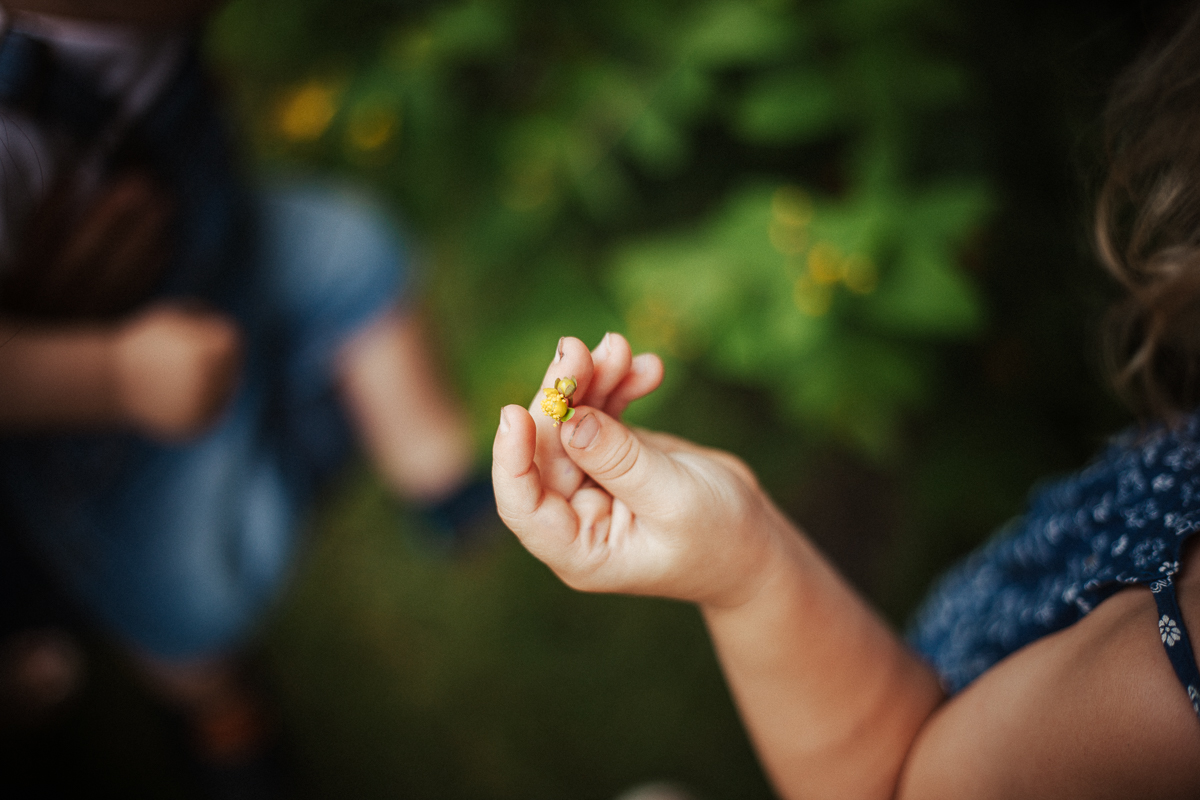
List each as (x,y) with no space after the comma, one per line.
(470,30)
(925,293)
(723,33)
(788,107)
(949,209)
(657,144)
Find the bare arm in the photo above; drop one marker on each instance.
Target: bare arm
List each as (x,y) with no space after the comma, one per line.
(838,707)
(402,408)
(57,377)
(835,703)
(830,697)
(1093,711)
(167,371)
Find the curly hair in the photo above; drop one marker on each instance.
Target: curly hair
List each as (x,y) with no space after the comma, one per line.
(1147,226)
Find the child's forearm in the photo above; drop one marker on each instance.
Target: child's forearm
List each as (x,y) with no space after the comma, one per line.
(398,402)
(830,696)
(53,377)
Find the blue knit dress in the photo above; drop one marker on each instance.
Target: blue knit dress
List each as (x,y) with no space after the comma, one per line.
(1123,520)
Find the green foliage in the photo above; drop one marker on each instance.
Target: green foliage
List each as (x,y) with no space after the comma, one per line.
(727,181)
(845,224)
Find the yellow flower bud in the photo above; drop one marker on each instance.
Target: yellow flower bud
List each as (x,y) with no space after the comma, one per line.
(565,386)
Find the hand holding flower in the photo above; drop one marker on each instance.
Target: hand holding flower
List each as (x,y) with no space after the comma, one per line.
(613,510)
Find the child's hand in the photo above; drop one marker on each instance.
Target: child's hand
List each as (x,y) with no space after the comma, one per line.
(176,369)
(612,510)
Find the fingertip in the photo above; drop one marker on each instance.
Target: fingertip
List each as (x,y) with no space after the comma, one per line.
(602,350)
(571,351)
(513,417)
(619,340)
(649,368)
(581,430)
(612,344)
(589,424)
(571,359)
(645,375)
(513,447)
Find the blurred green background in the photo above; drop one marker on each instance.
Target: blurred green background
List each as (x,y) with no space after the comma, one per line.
(857,232)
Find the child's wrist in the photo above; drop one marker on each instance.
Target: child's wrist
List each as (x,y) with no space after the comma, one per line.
(771,540)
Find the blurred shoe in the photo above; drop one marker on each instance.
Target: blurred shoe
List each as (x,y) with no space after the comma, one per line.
(464,519)
(233,750)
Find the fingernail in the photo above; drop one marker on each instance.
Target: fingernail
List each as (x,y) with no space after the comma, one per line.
(504,420)
(558,354)
(585,432)
(601,349)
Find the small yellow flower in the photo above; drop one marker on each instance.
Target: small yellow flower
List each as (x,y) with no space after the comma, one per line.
(557,403)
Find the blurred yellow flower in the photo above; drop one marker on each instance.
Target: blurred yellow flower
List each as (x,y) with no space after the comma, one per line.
(306,112)
(825,263)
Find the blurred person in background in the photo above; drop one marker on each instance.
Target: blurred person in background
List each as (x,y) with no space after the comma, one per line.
(184,356)
(1053,662)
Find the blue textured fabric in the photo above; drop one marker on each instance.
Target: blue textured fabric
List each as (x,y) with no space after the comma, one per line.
(1122,520)
(178,549)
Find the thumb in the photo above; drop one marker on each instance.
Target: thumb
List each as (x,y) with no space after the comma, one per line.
(629,468)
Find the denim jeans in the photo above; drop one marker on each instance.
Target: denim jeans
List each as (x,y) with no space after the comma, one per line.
(179,549)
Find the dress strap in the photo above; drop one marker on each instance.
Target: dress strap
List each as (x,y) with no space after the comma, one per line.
(1175,639)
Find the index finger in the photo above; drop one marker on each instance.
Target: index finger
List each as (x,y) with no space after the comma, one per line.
(572,359)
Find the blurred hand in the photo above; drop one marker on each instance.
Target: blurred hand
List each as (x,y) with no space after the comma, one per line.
(176,369)
(614,510)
